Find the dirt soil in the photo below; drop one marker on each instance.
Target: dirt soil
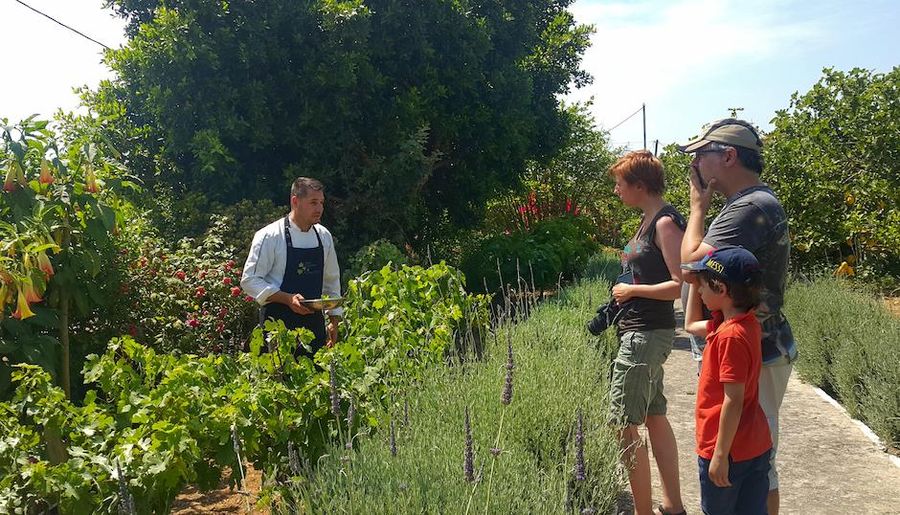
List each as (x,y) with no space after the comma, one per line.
(893,305)
(223,499)
(826,464)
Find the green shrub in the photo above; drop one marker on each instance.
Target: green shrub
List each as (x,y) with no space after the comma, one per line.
(374,256)
(849,347)
(549,250)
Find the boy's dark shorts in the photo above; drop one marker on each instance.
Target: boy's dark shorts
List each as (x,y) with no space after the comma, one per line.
(747,493)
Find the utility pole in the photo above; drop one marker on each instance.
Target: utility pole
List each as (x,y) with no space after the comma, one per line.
(734,111)
(644,110)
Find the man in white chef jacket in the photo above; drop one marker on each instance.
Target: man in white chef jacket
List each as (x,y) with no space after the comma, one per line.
(293,259)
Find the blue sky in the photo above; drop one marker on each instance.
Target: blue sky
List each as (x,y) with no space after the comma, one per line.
(688,60)
(691,60)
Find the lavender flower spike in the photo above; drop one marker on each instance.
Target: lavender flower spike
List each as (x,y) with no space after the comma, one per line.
(579,448)
(393,440)
(469,458)
(506,398)
(335,398)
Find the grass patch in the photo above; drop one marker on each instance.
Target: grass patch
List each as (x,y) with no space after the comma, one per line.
(559,371)
(850,347)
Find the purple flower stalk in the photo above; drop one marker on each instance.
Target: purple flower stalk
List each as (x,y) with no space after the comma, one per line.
(469,457)
(393,440)
(579,449)
(506,398)
(335,398)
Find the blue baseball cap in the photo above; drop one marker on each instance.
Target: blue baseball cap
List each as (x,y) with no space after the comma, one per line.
(733,264)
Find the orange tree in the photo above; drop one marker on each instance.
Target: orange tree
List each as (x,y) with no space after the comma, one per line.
(833,159)
(56,226)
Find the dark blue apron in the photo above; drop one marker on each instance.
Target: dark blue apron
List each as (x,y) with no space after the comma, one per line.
(304,273)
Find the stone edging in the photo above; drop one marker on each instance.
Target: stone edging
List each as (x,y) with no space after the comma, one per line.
(862,427)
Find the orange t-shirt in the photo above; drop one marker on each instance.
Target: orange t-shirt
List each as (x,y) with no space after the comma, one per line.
(733,354)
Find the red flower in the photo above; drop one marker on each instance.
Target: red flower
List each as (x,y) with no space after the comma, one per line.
(193,323)
(180,274)
(235,291)
(226,281)
(223,312)
(200,292)
(220,327)
(229,265)
(249,298)
(132,330)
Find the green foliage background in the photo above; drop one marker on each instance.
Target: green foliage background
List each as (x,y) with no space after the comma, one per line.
(407,112)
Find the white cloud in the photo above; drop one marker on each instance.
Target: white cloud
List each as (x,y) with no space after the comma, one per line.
(642,51)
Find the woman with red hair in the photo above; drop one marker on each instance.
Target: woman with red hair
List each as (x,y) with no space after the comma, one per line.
(646,330)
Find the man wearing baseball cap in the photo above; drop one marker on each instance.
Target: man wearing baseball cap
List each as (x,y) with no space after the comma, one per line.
(728,160)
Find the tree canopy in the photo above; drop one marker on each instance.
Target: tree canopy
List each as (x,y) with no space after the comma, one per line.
(833,159)
(409,112)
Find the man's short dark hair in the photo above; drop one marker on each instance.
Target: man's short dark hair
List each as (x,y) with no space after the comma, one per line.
(303,185)
(751,159)
(744,296)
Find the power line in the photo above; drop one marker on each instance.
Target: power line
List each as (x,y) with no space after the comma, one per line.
(639,109)
(51,18)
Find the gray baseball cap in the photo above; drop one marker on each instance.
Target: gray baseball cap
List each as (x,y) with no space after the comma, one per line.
(729,131)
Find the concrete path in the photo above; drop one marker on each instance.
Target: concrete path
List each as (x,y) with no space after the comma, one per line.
(826,464)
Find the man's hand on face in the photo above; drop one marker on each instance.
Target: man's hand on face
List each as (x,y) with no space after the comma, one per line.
(700,195)
(299,308)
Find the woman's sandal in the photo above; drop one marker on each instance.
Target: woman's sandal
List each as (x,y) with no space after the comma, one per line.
(661,511)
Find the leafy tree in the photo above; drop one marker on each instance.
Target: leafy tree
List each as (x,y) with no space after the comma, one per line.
(833,159)
(411,113)
(57,219)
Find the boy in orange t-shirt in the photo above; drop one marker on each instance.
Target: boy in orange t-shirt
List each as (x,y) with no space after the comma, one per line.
(733,441)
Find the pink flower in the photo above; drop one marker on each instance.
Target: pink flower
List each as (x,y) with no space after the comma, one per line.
(249,298)
(193,323)
(235,291)
(226,281)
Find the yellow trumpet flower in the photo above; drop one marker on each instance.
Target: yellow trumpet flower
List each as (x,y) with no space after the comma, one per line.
(844,270)
(23,310)
(44,264)
(46,176)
